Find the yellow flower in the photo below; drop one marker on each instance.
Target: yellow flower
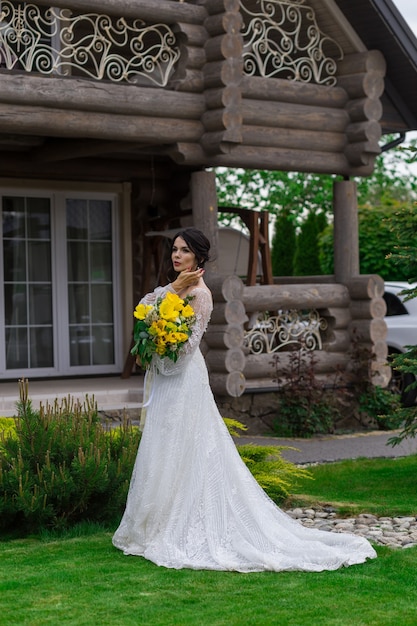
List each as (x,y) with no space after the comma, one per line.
(158,328)
(187,311)
(142,310)
(176,337)
(160,346)
(170,306)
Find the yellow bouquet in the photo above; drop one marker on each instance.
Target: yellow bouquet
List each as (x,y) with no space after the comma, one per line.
(162,328)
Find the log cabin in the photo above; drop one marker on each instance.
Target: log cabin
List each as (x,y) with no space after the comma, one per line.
(114,117)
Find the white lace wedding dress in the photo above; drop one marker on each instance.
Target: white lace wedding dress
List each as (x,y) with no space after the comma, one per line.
(192,501)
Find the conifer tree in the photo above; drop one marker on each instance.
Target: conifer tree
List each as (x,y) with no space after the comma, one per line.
(283,245)
(306,260)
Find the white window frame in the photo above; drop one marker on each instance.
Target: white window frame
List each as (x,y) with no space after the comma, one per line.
(60,317)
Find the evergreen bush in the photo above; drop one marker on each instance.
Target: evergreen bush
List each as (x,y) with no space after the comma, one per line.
(62,466)
(307,256)
(381,228)
(283,245)
(275,475)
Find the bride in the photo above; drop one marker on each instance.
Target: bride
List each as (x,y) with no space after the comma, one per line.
(192,501)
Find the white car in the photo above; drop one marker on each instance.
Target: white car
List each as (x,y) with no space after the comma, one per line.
(401,320)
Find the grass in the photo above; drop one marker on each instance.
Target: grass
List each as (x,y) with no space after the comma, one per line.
(81,580)
(84,581)
(379,486)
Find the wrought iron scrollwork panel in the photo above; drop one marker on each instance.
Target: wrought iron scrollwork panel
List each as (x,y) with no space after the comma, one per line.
(282,39)
(271,333)
(50,40)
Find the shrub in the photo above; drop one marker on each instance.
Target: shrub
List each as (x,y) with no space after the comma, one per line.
(380,230)
(7,429)
(283,245)
(59,466)
(405,418)
(311,406)
(380,405)
(306,258)
(274,474)
(304,407)
(62,466)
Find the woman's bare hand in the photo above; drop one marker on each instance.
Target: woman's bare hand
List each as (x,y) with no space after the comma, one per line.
(187,278)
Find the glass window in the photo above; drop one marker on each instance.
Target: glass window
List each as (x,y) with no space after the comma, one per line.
(90,288)
(27,282)
(394,305)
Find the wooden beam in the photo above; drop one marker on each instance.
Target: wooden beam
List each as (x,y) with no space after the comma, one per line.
(280,90)
(87,124)
(273,297)
(254,157)
(346,230)
(21,165)
(99,96)
(67,149)
(286,115)
(293,138)
(164,11)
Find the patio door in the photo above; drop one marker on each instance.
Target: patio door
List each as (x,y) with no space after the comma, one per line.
(59,283)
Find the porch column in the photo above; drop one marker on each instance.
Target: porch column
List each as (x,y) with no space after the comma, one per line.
(204,204)
(346,231)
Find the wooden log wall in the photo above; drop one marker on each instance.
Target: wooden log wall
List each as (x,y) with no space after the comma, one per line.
(163,11)
(210,113)
(331,300)
(362,77)
(224,337)
(368,329)
(270,123)
(188,76)
(222,119)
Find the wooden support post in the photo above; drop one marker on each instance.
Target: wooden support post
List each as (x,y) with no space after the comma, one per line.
(265,250)
(346,236)
(204,203)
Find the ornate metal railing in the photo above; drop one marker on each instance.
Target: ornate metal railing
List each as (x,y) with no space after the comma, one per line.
(282,39)
(50,40)
(270,333)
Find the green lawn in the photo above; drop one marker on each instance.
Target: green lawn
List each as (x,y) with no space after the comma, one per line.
(379,486)
(84,581)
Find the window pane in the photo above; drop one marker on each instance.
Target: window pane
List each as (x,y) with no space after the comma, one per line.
(101,262)
(40,304)
(103,345)
(100,219)
(14,255)
(39,257)
(102,304)
(77,262)
(80,345)
(17,355)
(27,282)
(77,219)
(38,219)
(78,303)
(13,217)
(41,347)
(90,275)
(15,305)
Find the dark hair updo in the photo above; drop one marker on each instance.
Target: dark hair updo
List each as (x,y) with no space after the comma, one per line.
(197,242)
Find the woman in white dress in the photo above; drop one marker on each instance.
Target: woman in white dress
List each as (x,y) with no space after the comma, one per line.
(192,501)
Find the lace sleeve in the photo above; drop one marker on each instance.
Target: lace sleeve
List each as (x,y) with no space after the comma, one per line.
(159,292)
(202,304)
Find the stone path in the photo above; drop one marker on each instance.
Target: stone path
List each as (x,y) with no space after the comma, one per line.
(395,532)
